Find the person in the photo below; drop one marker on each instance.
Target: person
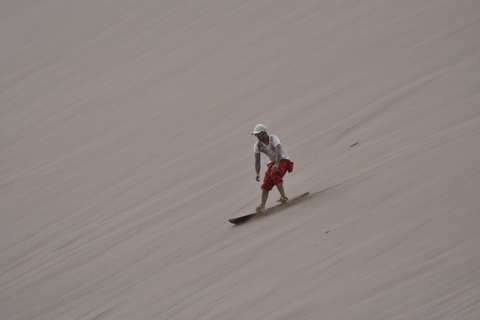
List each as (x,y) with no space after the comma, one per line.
(278,166)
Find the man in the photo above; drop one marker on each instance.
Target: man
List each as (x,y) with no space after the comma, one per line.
(279,164)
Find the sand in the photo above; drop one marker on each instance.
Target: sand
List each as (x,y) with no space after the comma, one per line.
(125,148)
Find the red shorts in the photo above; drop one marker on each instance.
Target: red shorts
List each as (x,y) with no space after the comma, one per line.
(274,177)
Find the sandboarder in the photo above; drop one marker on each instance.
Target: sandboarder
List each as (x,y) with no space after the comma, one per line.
(278,166)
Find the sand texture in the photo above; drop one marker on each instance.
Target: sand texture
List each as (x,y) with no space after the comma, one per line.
(125,148)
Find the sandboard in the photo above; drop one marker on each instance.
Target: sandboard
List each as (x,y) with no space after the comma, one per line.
(273,209)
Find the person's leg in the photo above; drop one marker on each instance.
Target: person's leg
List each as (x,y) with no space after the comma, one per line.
(266,187)
(281,189)
(277,177)
(261,206)
(264,196)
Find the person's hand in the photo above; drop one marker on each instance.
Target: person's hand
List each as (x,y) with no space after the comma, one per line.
(275,167)
(257,177)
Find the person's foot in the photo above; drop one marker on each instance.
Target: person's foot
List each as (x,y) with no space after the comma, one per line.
(260,208)
(283,199)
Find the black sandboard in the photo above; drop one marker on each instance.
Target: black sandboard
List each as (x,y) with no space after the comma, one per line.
(273,209)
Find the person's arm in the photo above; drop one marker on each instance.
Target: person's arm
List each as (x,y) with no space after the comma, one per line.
(279,151)
(257,166)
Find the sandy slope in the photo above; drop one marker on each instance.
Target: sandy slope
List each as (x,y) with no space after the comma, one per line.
(125,147)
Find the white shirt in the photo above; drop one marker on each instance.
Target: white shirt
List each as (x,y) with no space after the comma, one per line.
(270,149)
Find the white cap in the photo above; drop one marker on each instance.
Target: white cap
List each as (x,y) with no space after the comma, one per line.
(259,128)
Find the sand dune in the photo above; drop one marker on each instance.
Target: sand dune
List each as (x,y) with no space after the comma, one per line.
(126,147)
